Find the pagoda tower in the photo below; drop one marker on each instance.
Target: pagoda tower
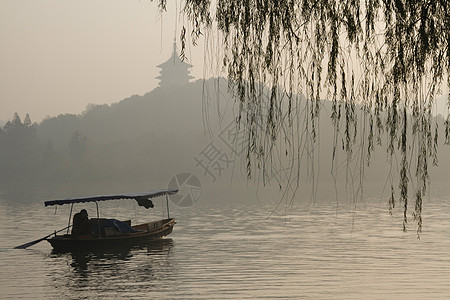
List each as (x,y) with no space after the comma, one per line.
(174,72)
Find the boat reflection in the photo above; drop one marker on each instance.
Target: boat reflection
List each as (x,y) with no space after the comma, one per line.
(105,270)
(81,258)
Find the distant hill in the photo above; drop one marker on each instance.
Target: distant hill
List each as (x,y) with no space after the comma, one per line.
(159,132)
(169,130)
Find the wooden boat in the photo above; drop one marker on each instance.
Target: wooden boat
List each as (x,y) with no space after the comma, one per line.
(107,233)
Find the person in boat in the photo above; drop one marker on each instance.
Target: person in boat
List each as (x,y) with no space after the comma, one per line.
(81,224)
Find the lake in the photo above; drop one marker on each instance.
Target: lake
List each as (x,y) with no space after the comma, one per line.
(229,245)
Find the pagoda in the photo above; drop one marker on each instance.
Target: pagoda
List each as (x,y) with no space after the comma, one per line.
(174,72)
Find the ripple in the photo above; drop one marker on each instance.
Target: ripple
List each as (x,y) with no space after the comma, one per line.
(225,252)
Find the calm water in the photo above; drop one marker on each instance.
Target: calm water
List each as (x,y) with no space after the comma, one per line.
(229,247)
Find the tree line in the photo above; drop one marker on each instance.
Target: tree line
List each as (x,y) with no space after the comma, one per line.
(136,138)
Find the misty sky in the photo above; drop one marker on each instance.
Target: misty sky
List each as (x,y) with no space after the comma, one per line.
(59,56)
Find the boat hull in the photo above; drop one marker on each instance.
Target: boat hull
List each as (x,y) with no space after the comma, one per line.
(147,232)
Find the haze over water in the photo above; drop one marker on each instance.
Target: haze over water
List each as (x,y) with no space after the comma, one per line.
(236,242)
(227,247)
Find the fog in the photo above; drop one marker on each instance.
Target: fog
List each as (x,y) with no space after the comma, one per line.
(59,56)
(183,125)
(87,75)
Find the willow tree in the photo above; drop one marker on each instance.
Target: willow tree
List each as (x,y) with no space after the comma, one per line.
(381,63)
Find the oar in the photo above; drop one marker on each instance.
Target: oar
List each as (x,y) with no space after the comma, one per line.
(29,244)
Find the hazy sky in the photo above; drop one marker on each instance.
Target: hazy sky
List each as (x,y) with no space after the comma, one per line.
(58,56)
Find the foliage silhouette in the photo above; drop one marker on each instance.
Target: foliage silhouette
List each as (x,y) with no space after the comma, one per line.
(381,63)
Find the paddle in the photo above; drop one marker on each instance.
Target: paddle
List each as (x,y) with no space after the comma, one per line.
(29,244)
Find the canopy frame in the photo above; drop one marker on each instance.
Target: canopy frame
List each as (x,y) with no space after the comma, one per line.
(139,197)
(143,199)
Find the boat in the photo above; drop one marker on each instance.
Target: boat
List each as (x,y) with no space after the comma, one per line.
(109,233)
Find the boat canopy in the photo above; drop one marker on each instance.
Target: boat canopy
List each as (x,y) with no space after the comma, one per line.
(143,199)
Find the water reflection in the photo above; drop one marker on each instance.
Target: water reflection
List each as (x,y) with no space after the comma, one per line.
(130,270)
(229,251)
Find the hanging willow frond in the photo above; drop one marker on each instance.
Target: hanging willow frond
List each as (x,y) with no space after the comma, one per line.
(387,58)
